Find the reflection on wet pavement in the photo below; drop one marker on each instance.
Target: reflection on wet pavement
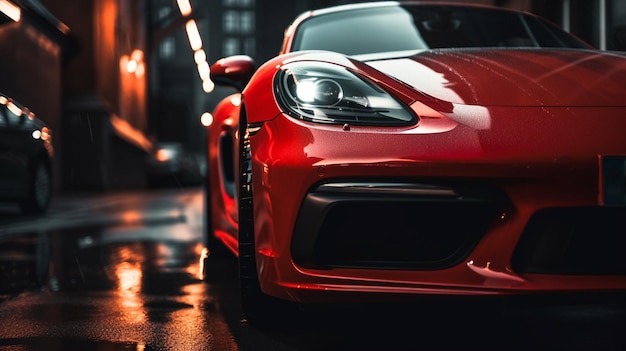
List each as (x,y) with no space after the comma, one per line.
(21,266)
(51,343)
(132,284)
(103,210)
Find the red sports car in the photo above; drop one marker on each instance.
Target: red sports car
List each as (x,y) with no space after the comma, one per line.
(398,149)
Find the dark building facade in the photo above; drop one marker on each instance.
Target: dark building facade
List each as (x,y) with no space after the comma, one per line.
(104,129)
(176,87)
(601,23)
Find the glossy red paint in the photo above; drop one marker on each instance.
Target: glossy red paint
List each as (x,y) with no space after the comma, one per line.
(223,147)
(234,70)
(533,123)
(525,77)
(548,172)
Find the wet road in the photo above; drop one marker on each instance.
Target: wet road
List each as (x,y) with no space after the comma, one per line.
(124,271)
(114,272)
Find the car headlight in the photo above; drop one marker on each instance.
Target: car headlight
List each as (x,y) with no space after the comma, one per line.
(326,93)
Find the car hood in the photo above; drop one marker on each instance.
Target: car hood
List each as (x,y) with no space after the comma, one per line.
(520,77)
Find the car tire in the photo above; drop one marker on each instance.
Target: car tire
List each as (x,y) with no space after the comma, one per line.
(39,189)
(251,294)
(257,307)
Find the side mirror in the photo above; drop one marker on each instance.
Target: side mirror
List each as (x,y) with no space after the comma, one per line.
(234,71)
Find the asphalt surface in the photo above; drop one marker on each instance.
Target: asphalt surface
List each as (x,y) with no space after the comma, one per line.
(127,271)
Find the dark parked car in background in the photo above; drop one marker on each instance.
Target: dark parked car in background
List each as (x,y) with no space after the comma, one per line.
(25,158)
(171,164)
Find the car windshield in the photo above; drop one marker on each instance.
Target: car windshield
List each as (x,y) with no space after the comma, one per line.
(409,28)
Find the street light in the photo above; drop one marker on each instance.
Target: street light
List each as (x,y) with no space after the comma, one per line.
(184,6)
(194,35)
(133,64)
(195,41)
(10,10)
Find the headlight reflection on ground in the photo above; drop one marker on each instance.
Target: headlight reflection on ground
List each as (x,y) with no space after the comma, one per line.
(128,276)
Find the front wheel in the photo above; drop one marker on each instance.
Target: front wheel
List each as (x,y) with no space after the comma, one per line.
(39,189)
(252,298)
(256,305)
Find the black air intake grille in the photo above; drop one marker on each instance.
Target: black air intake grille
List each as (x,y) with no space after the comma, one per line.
(590,240)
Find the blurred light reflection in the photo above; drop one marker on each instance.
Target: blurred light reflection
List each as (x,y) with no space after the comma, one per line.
(199,56)
(131,216)
(193,35)
(208,85)
(184,6)
(206,119)
(14,108)
(128,276)
(11,10)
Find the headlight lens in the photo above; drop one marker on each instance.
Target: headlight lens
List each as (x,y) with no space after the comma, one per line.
(326,93)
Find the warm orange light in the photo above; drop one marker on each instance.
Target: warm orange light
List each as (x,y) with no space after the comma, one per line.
(133,63)
(184,6)
(203,255)
(194,35)
(3,100)
(14,108)
(128,276)
(131,216)
(122,127)
(163,155)
(137,55)
(11,10)
(45,133)
(131,66)
(206,119)
(124,59)
(63,28)
(141,69)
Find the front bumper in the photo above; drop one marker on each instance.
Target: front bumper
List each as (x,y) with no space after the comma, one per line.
(364,212)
